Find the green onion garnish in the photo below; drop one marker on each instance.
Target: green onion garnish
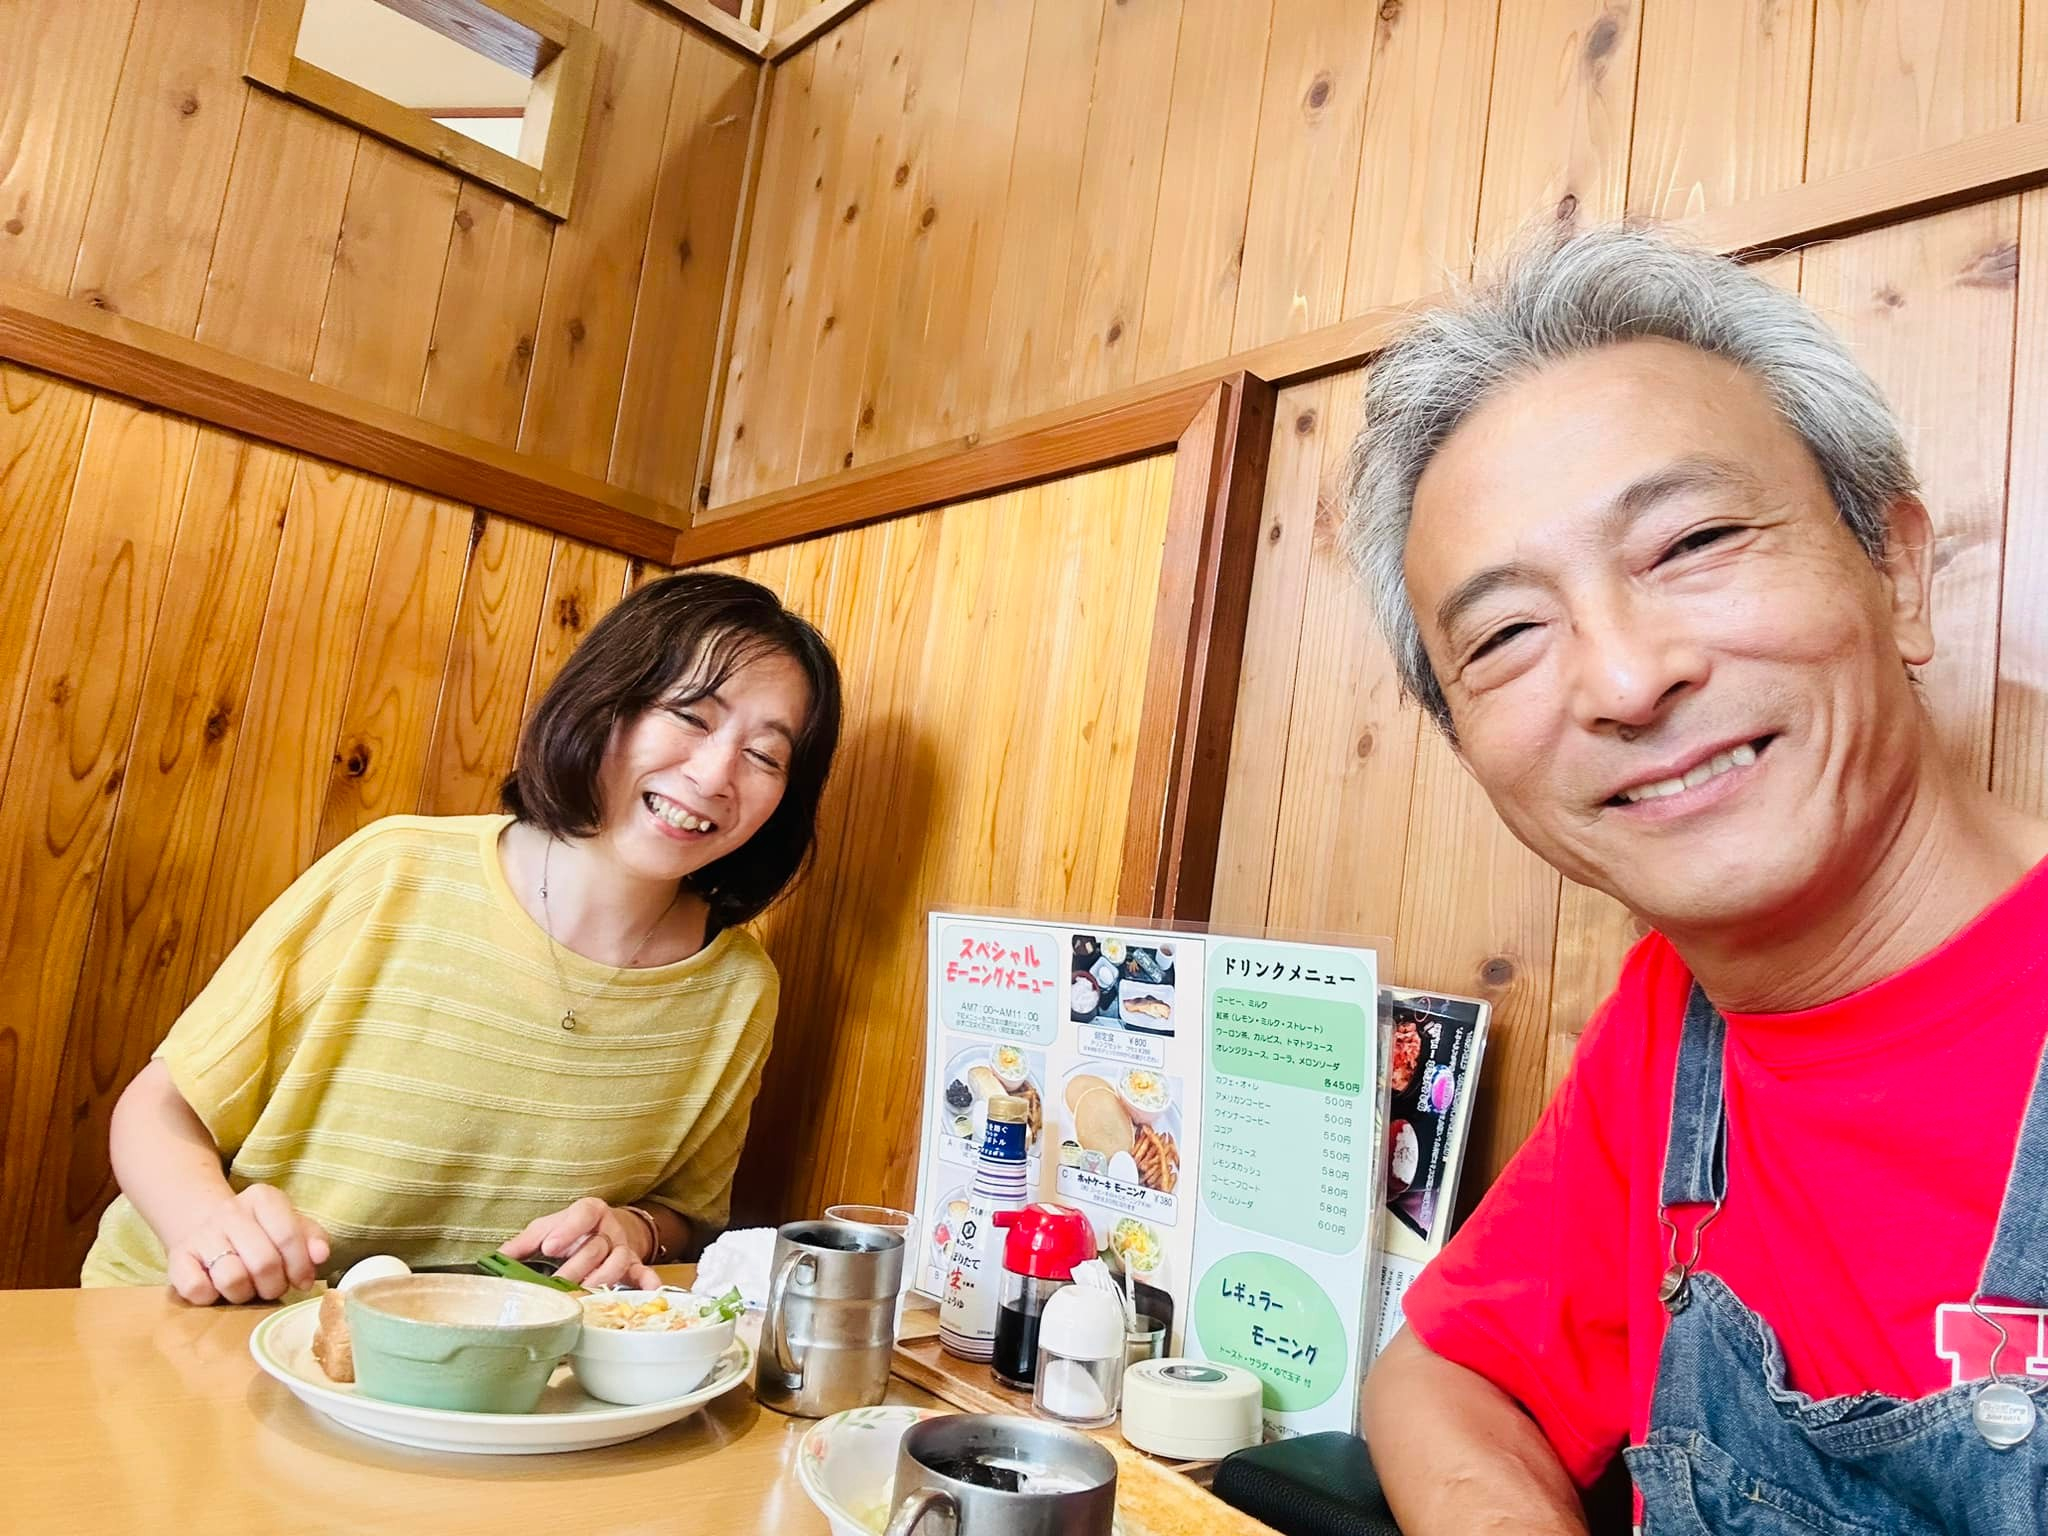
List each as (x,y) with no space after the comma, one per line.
(506,1268)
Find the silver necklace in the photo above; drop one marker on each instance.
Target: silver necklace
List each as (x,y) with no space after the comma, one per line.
(547,923)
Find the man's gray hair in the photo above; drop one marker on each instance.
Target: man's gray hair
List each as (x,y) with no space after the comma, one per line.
(1572,294)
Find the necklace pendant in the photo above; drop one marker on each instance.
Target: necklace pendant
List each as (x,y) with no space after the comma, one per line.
(568,1018)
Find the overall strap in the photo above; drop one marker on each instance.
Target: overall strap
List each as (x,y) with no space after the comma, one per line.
(1696,1156)
(2017,1269)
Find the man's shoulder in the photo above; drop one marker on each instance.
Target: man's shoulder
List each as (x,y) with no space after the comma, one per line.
(1641,1016)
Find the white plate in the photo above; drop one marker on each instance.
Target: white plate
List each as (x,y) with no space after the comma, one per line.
(567,1419)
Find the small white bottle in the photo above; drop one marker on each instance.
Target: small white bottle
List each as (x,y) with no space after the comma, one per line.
(1081,1350)
(968,1295)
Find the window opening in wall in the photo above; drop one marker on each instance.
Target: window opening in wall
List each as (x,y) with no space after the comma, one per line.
(497,89)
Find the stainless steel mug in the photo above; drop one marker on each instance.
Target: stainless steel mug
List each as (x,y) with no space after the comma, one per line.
(994,1475)
(831,1323)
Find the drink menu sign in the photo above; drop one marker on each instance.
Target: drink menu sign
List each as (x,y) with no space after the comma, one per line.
(1212,1104)
(1287,1239)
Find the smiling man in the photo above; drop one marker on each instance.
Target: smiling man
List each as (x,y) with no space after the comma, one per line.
(1646,544)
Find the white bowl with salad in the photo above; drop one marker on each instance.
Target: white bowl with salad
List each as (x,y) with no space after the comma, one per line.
(643,1346)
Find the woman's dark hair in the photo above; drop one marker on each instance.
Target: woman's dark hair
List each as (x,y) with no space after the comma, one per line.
(673,642)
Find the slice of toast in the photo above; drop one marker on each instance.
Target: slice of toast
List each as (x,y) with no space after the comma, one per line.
(1154,1500)
(331,1346)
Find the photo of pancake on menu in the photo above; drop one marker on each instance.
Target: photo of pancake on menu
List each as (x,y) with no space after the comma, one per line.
(1436,1048)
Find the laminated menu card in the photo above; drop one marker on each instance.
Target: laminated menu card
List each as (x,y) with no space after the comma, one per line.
(1213,1103)
(1433,1070)
(1094,1028)
(1292,1194)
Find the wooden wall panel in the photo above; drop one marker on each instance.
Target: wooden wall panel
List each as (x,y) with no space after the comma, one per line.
(586,318)
(1009,794)
(1311,125)
(140,172)
(1721,97)
(139,958)
(70,757)
(1205,183)
(1417,206)
(157,198)
(2019,762)
(59,67)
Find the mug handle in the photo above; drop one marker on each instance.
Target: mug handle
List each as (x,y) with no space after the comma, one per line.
(911,1512)
(773,1334)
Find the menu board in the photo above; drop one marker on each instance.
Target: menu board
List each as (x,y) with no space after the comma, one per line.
(1287,1242)
(1216,1106)
(1433,1067)
(1099,1030)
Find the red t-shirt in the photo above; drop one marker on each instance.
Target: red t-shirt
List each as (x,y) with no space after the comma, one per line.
(1868,1146)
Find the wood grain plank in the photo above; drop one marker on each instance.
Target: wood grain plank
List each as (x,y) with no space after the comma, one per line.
(136,973)
(1417,203)
(586,319)
(1311,128)
(156,202)
(267,283)
(1265,696)
(196,380)
(1020,364)
(691,232)
(584,584)
(1205,185)
(2019,761)
(761,427)
(788,146)
(866,202)
(42,429)
(911,268)
(1891,77)
(1479,918)
(490,657)
(59,68)
(1929,308)
(1121,163)
(971,209)
(71,755)
(401,647)
(1557,134)
(485,330)
(1349,751)
(1721,99)
(388,262)
(285,753)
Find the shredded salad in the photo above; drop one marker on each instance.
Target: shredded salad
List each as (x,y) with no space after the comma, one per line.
(661,1312)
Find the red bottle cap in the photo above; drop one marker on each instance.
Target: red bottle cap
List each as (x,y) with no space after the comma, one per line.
(1046,1241)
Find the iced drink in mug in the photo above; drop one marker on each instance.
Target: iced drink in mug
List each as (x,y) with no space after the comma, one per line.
(892,1220)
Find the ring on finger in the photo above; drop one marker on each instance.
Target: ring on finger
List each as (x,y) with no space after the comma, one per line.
(207,1264)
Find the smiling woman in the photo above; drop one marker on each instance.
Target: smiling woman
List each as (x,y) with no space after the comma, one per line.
(543,1030)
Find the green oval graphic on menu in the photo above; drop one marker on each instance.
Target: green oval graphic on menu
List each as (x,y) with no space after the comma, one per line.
(1261,1312)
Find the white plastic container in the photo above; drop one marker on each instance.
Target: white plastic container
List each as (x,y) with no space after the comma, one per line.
(1192,1410)
(1080,1355)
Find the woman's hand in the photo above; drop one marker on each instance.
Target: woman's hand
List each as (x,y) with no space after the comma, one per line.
(252,1244)
(598,1245)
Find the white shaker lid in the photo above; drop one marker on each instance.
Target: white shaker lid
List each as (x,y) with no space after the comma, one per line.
(1082,1323)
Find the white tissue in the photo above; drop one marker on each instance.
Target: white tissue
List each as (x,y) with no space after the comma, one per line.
(738,1259)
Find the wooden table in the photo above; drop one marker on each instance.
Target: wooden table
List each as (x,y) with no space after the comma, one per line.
(123,1411)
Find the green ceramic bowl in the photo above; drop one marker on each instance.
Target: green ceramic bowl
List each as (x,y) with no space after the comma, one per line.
(468,1342)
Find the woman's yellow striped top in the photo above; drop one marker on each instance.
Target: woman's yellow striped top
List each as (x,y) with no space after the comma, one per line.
(385,1046)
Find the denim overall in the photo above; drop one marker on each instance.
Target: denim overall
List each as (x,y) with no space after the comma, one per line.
(1732,1448)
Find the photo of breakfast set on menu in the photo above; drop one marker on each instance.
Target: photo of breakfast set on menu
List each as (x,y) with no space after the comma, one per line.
(1124,985)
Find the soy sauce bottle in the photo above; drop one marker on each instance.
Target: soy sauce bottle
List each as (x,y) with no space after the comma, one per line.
(1044,1244)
